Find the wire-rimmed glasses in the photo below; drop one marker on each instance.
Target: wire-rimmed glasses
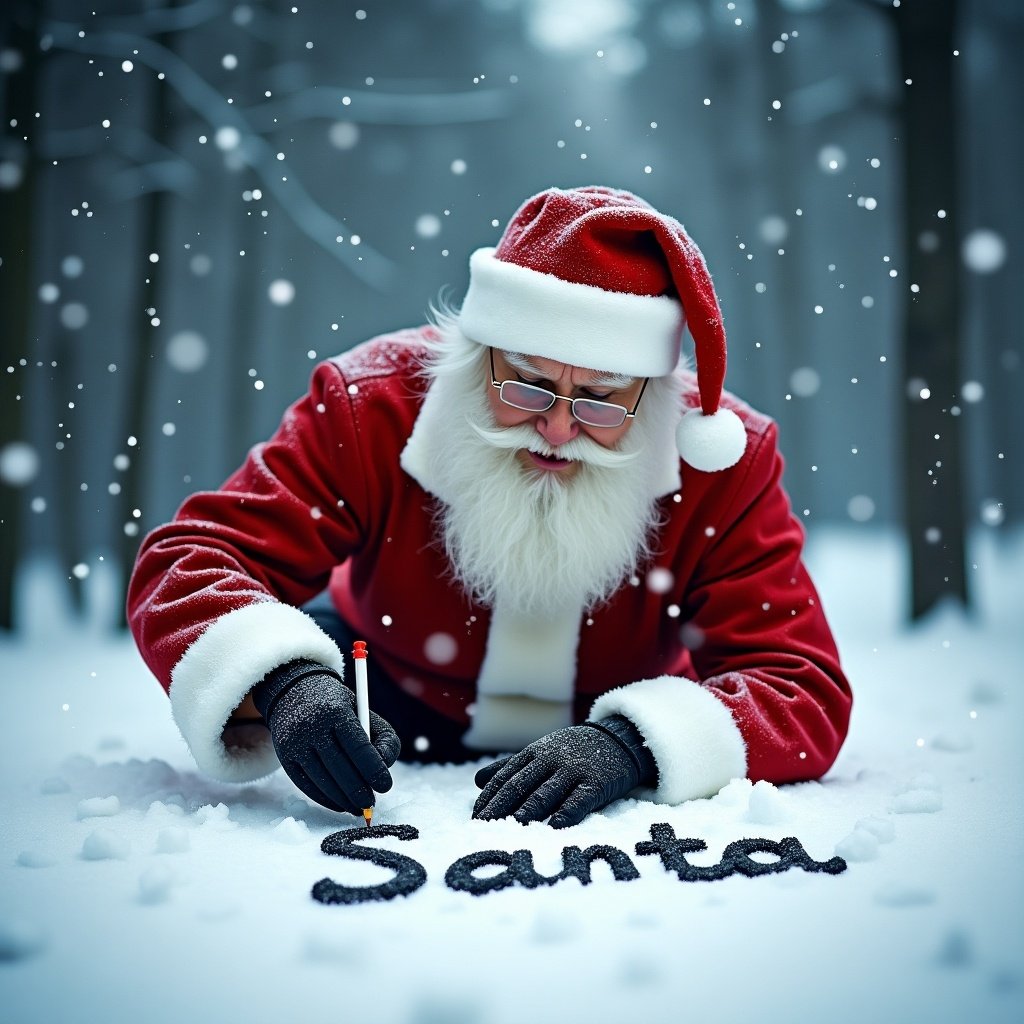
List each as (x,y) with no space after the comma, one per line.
(530,398)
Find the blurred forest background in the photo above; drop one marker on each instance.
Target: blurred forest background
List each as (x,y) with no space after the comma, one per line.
(201,198)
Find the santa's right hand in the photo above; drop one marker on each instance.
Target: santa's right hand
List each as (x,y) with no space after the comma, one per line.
(312,719)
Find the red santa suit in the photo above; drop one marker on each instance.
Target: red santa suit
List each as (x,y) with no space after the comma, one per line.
(727,667)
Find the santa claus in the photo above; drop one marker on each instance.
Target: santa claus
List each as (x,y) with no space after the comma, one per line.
(558,542)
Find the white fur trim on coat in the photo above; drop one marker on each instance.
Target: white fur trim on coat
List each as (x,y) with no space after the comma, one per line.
(531,655)
(511,723)
(527,679)
(523,310)
(691,733)
(220,668)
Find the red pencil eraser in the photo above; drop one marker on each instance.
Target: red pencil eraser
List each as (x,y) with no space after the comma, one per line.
(359,649)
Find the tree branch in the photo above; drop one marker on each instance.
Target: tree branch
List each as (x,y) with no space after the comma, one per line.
(137,147)
(165,19)
(312,219)
(368,107)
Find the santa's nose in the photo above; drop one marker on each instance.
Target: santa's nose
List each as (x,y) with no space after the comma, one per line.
(558,425)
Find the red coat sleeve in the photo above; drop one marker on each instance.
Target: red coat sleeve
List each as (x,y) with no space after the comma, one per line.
(770,700)
(762,644)
(213,599)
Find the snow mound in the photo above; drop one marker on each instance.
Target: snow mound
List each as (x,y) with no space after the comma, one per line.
(859,845)
(917,801)
(105,844)
(291,832)
(766,805)
(921,795)
(99,807)
(173,839)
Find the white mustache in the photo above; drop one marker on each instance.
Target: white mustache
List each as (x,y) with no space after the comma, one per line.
(579,449)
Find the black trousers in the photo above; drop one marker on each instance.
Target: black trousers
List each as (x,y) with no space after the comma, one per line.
(427,736)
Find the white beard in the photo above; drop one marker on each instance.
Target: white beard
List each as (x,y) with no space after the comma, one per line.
(542,543)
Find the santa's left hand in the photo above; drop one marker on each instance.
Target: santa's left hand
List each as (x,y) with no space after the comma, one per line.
(567,774)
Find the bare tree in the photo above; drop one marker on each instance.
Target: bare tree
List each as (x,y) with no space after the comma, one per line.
(933,464)
(153,170)
(140,376)
(20,47)
(927,130)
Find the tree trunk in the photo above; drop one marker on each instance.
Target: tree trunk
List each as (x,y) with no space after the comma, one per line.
(933,470)
(140,374)
(21,36)
(67,493)
(248,295)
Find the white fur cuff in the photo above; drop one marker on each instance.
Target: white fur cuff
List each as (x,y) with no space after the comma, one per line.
(222,666)
(695,742)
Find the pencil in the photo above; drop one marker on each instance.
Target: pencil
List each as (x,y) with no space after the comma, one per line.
(362,702)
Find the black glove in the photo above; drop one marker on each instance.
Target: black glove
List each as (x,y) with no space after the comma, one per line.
(567,774)
(312,718)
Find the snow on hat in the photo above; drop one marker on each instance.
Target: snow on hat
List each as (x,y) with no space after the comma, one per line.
(597,277)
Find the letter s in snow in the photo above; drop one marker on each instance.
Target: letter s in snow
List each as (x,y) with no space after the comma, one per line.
(410,874)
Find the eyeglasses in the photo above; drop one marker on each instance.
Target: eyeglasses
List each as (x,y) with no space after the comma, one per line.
(530,398)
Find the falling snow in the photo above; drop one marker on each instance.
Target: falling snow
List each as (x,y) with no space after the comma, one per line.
(984,251)
(281,292)
(112,834)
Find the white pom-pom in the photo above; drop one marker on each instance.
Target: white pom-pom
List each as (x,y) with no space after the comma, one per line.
(711,443)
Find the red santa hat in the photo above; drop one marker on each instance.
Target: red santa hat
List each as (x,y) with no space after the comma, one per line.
(596,277)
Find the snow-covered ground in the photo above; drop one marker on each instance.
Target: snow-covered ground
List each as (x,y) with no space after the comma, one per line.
(132,889)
